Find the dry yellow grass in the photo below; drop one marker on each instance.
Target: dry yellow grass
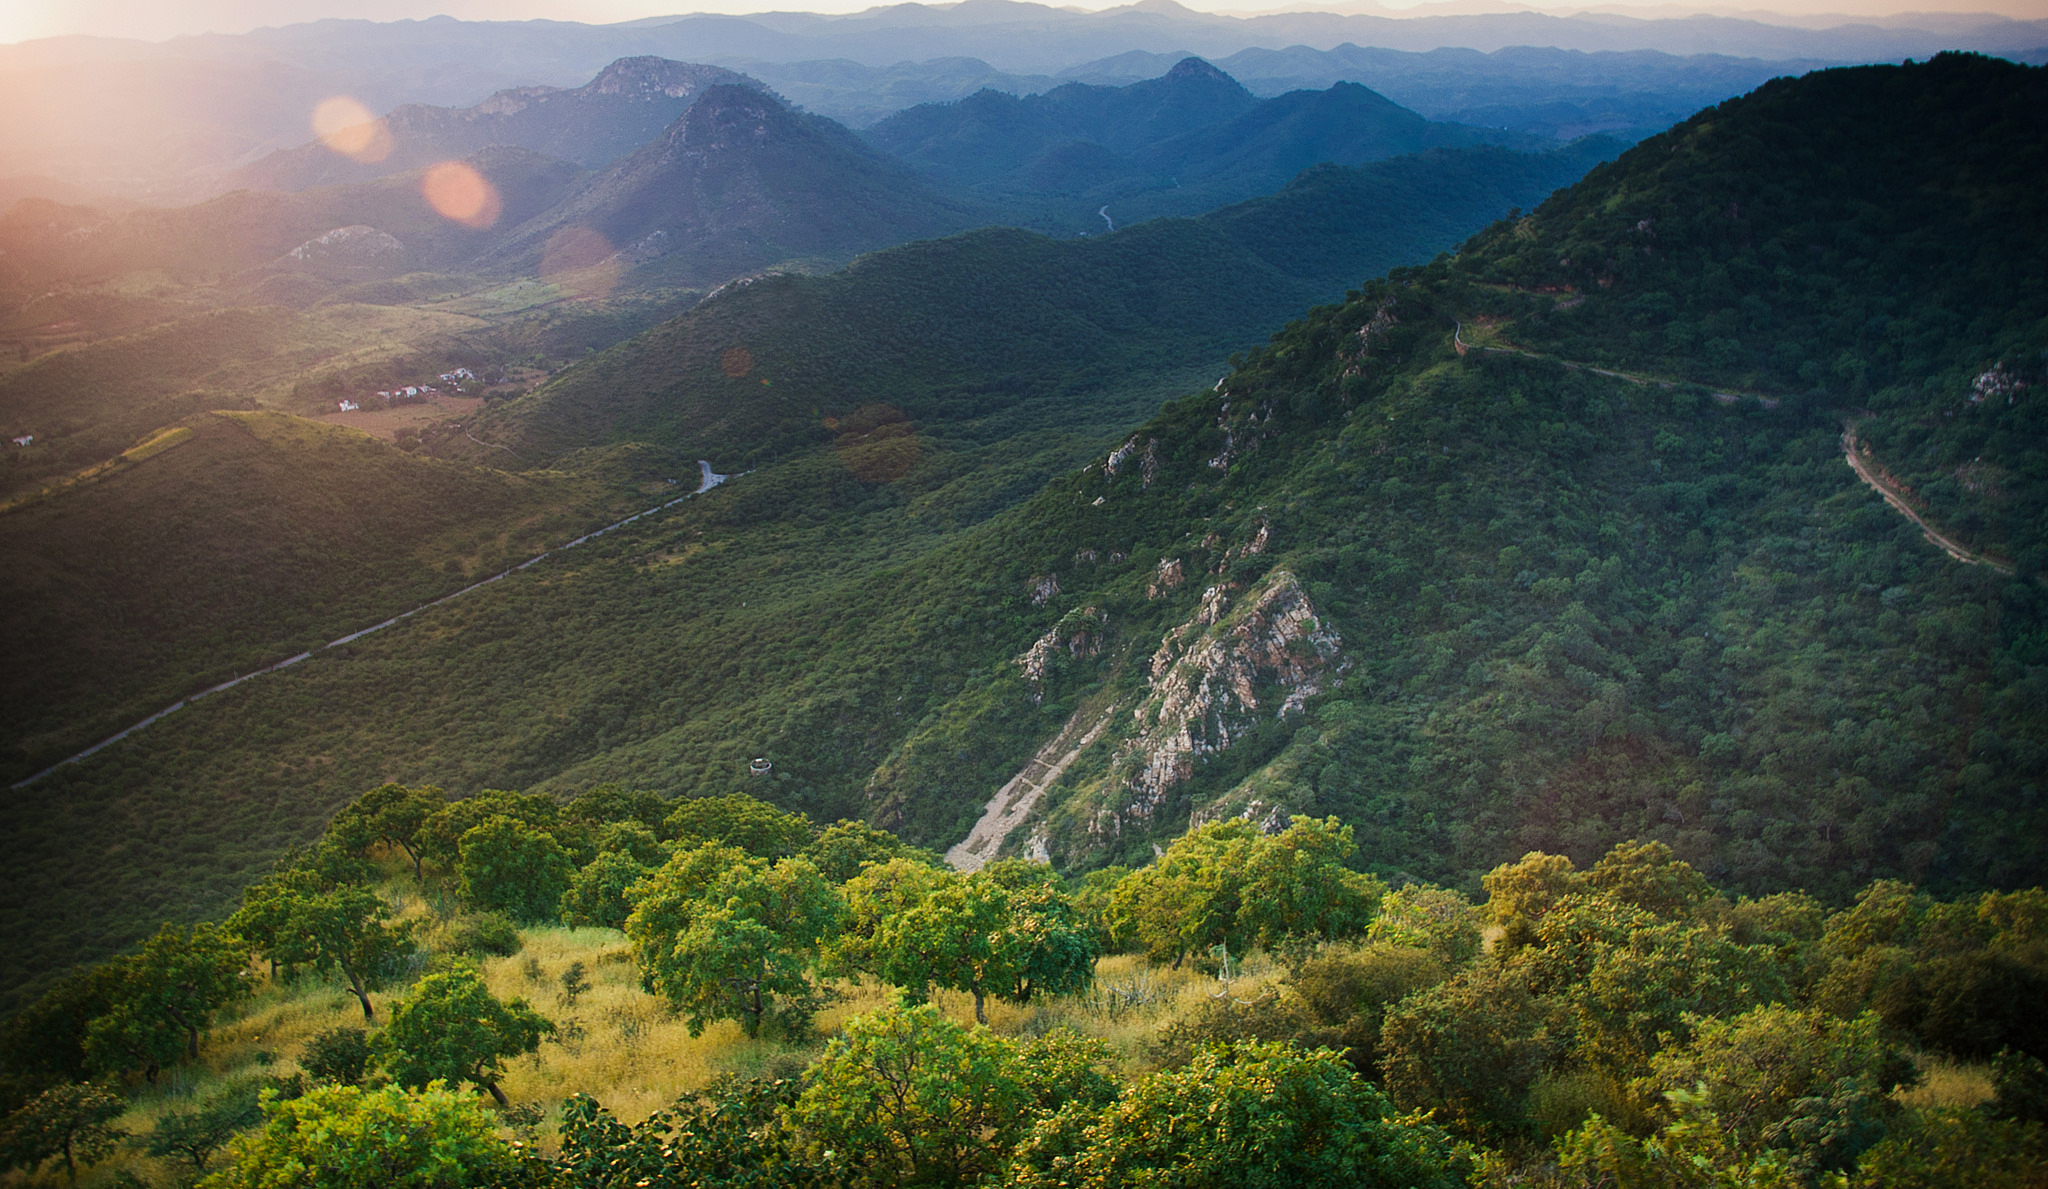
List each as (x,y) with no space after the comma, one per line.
(1946,1083)
(623,1046)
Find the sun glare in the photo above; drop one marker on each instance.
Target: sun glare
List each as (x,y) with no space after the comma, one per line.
(458,192)
(347,127)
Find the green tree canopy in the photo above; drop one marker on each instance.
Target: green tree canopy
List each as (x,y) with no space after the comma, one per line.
(72,1122)
(1226,883)
(907,1097)
(391,814)
(597,893)
(722,934)
(511,867)
(346,1137)
(347,929)
(738,820)
(440,836)
(454,1030)
(166,997)
(1239,1117)
(844,847)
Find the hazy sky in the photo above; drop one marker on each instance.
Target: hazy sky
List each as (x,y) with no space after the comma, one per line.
(157,19)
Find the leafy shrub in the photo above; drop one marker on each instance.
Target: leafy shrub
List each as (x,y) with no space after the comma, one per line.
(482,933)
(337,1056)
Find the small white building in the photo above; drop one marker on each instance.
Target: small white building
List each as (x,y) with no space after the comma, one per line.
(27,439)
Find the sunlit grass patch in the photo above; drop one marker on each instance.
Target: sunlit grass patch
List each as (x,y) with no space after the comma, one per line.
(1946,1083)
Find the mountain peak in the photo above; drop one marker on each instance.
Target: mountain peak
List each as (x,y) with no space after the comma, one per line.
(1197,68)
(649,77)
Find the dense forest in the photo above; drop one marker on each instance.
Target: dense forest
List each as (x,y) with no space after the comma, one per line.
(1274,1016)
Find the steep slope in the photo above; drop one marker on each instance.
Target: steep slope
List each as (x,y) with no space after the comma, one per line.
(741,181)
(1422,564)
(624,107)
(884,413)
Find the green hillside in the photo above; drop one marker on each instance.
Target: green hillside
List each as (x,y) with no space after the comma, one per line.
(963,375)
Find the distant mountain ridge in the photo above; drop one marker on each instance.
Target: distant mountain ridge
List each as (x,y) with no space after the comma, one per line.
(1186,142)
(624,107)
(737,182)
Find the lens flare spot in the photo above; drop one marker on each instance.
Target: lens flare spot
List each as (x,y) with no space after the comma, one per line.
(580,262)
(347,127)
(458,192)
(877,443)
(736,362)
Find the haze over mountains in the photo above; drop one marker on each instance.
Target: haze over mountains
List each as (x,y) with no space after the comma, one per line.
(168,121)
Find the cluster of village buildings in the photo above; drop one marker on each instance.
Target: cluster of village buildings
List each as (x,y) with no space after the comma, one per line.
(413,393)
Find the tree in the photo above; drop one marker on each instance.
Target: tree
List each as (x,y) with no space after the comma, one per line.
(454,1030)
(511,867)
(1238,1117)
(722,934)
(340,1056)
(1694,1151)
(1423,917)
(1225,883)
(196,1135)
(907,1097)
(1802,1082)
(1469,1049)
(165,997)
(1521,894)
(843,848)
(346,1137)
(1003,931)
(597,894)
(344,929)
(731,1136)
(440,836)
(72,1121)
(392,814)
(1648,876)
(738,820)
(606,804)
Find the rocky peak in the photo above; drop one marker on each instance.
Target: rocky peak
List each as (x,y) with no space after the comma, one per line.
(728,117)
(649,78)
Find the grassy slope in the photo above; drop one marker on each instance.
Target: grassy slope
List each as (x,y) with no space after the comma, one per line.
(773,614)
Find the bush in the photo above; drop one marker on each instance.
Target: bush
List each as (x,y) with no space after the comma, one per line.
(482,933)
(338,1056)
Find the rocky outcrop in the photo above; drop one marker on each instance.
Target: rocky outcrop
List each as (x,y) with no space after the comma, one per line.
(1077,636)
(1216,675)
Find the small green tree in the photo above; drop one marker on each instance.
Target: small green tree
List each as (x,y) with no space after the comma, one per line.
(738,820)
(1246,1116)
(508,866)
(346,1137)
(722,934)
(72,1122)
(907,1097)
(166,997)
(337,1056)
(454,1030)
(391,814)
(345,929)
(440,836)
(597,893)
(844,847)
(196,1135)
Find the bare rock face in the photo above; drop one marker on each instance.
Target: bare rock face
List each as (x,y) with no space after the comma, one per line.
(1078,635)
(1214,676)
(348,245)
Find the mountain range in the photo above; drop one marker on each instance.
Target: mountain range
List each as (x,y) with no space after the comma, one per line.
(166,121)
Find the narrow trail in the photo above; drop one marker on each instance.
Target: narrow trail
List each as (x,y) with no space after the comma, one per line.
(1017,798)
(1897,500)
(1856,461)
(710,480)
